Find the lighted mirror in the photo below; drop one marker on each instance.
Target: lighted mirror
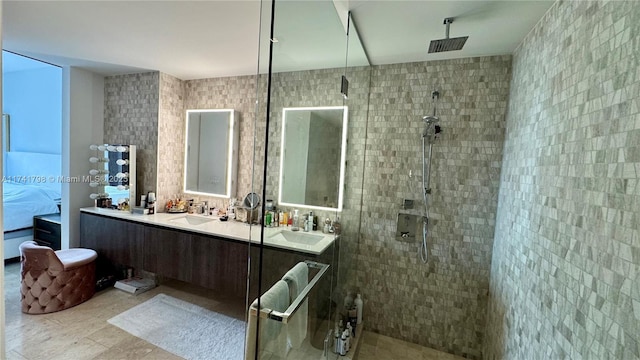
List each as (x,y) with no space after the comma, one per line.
(312,162)
(211,152)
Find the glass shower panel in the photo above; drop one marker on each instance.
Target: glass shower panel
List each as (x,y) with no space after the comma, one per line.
(357,73)
(294,267)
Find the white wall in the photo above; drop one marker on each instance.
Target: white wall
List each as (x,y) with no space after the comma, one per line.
(82,125)
(2,317)
(33,99)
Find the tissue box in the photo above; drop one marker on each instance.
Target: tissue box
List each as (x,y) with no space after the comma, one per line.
(140,210)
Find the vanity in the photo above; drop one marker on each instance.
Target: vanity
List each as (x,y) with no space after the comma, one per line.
(201,250)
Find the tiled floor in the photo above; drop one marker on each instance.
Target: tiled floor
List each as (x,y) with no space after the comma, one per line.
(379,347)
(82,332)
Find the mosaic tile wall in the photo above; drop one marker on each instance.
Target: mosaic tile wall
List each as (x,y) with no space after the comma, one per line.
(171,132)
(131,117)
(298,89)
(565,274)
(440,304)
(238,93)
(322,88)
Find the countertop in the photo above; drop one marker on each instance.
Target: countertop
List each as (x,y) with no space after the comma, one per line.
(312,242)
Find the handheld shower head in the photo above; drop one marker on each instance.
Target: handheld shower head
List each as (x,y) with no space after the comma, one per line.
(430,119)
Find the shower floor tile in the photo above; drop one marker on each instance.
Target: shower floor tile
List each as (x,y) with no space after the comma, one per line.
(379,347)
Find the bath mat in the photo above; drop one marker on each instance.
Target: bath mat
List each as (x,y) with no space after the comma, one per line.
(184,329)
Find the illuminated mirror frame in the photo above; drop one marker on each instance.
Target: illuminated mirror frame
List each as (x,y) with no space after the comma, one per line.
(343,153)
(231,156)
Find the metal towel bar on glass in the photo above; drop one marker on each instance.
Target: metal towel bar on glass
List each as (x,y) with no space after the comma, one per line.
(266,313)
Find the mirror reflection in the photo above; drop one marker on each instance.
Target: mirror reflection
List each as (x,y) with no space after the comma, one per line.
(210,152)
(312,162)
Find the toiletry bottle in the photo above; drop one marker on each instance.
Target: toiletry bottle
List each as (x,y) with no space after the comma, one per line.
(358,302)
(327,226)
(336,226)
(294,225)
(307,224)
(348,301)
(231,209)
(336,340)
(352,317)
(347,342)
(343,346)
(205,208)
(315,223)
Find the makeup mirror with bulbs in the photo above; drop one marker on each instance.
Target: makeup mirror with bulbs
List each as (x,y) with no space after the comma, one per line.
(113,175)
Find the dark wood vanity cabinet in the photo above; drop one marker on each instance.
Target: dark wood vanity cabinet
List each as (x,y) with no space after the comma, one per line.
(167,253)
(228,260)
(208,261)
(118,242)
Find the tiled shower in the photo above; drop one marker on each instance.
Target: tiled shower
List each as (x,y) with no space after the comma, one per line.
(441,303)
(534,246)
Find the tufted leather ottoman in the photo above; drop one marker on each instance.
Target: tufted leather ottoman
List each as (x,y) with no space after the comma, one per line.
(55,280)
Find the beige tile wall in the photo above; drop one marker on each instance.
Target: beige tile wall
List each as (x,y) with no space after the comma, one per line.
(565,274)
(171,133)
(131,117)
(442,303)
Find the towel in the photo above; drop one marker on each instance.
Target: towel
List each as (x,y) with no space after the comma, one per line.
(297,278)
(273,337)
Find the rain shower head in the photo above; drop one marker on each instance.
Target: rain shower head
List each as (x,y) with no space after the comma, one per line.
(447,44)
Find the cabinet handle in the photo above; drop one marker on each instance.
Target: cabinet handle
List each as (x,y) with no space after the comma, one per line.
(43,230)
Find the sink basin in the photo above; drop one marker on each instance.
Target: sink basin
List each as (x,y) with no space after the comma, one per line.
(298,237)
(191,220)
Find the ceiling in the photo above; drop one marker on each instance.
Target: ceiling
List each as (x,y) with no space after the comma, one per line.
(202,39)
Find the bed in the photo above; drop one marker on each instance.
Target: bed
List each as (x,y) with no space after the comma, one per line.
(31,186)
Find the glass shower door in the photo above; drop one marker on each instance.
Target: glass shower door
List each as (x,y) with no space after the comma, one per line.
(293,306)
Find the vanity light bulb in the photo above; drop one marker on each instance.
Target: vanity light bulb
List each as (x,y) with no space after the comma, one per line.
(97,172)
(122,148)
(94,196)
(102,147)
(98,183)
(93,147)
(123,187)
(94,160)
(122,175)
(122,162)
(111,148)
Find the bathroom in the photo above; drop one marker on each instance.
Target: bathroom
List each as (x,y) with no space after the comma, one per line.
(533,245)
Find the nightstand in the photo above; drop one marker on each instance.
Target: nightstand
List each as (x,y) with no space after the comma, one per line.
(46,230)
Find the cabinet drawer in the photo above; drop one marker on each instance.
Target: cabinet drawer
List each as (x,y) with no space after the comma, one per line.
(46,226)
(47,233)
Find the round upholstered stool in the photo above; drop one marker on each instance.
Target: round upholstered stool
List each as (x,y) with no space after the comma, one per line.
(55,280)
